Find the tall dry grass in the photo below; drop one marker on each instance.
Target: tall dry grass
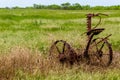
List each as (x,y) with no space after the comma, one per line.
(23,59)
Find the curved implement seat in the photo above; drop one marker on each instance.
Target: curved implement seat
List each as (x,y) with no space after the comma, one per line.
(95,31)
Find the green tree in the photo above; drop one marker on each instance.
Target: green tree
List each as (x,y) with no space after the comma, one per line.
(54,6)
(16,7)
(98,8)
(86,7)
(38,6)
(65,5)
(77,6)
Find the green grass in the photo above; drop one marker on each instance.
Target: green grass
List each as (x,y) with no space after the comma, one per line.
(35,26)
(71,75)
(36,29)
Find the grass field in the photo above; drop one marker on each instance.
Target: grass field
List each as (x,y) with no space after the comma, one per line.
(32,31)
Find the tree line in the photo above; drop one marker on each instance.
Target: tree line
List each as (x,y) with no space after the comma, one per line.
(75,6)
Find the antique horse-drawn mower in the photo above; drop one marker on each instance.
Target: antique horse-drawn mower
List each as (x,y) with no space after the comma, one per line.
(98,51)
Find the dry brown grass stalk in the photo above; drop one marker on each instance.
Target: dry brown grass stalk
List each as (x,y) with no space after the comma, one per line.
(27,61)
(33,63)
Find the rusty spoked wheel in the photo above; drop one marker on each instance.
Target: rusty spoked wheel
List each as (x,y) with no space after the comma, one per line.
(57,48)
(61,51)
(100,52)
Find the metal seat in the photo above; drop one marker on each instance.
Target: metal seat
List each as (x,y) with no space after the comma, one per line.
(95,31)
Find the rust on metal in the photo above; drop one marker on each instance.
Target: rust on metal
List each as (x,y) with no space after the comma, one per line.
(64,53)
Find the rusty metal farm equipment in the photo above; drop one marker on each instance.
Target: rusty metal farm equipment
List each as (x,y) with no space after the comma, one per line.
(98,51)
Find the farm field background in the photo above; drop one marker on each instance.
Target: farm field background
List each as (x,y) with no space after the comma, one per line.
(36,29)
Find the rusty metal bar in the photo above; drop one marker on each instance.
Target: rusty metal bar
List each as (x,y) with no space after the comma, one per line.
(89,21)
(102,39)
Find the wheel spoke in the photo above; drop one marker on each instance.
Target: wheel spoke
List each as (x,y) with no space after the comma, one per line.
(101,52)
(63,48)
(96,46)
(58,49)
(102,47)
